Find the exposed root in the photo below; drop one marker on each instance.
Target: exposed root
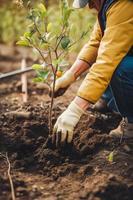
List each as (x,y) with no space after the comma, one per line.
(9,175)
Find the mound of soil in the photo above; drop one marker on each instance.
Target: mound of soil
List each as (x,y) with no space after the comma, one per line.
(85,161)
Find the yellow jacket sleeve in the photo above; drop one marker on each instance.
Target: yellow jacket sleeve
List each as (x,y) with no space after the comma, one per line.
(90,50)
(115,44)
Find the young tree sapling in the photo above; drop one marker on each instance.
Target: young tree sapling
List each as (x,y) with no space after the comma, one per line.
(51,43)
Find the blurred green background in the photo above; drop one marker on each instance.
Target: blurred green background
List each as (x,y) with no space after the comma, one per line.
(13,20)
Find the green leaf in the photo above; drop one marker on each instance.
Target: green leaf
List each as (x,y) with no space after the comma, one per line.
(37,67)
(67,14)
(23,43)
(47,35)
(42,10)
(31,15)
(43,74)
(49,27)
(37,80)
(56,62)
(111,157)
(27,34)
(65,42)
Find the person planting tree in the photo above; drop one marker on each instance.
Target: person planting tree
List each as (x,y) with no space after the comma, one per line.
(109,83)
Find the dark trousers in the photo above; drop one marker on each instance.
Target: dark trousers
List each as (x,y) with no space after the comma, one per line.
(119,94)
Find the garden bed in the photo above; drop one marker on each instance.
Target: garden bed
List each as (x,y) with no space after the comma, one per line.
(81,171)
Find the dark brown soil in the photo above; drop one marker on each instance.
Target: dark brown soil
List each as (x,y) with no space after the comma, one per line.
(79,171)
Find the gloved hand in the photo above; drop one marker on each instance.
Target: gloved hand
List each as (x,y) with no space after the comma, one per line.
(64,127)
(63,83)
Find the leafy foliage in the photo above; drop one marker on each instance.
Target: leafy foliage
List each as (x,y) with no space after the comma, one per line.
(42,37)
(13,22)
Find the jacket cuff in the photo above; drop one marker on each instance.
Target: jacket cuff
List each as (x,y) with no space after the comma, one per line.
(84,96)
(89,64)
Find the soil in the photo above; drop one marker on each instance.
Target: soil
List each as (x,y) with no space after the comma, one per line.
(78,171)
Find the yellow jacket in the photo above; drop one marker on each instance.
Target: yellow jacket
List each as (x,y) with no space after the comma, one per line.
(105,53)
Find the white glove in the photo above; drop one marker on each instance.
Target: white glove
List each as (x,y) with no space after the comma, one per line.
(64,81)
(64,127)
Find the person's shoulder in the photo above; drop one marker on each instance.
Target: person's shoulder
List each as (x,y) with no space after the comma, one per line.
(120,11)
(121,5)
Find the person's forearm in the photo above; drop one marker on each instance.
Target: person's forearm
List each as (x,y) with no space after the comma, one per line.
(79,67)
(83,104)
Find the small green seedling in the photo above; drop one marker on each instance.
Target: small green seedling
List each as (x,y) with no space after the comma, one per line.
(111,157)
